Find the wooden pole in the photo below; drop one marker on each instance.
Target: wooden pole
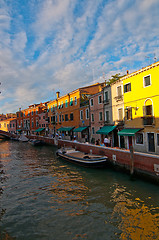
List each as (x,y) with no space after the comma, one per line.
(132,160)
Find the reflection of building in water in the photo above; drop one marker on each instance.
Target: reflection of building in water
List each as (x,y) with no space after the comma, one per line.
(137,220)
(67,187)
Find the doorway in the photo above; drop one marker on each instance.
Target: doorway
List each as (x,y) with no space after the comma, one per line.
(151,142)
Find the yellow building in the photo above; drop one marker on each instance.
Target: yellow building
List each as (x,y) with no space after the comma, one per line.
(141,106)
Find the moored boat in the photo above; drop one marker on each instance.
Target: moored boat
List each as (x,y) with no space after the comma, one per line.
(36,142)
(81,158)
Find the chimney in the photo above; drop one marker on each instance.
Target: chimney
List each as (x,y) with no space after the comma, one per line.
(58,94)
(127,72)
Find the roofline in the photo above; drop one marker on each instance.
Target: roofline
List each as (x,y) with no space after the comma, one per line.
(140,71)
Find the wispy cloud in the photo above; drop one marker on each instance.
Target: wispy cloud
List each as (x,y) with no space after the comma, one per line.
(62,45)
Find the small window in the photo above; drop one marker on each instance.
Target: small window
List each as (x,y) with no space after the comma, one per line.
(139,138)
(147,81)
(107,116)
(93,130)
(81,114)
(157,139)
(99,99)
(87,114)
(71,116)
(120,114)
(91,102)
(75,100)
(100,116)
(66,104)
(71,102)
(119,91)
(92,117)
(60,118)
(32,113)
(128,113)
(66,117)
(127,87)
(106,96)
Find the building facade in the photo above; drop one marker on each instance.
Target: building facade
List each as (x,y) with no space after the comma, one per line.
(141,98)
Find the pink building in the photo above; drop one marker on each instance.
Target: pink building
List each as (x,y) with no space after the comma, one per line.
(96,115)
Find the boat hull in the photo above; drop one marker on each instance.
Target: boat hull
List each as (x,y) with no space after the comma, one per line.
(87,160)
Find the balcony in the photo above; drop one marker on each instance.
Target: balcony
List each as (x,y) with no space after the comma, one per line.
(106,101)
(119,98)
(84,103)
(148,120)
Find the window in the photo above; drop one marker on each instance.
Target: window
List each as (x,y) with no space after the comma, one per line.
(62,118)
(24,114)
(32,124)
(56,118)
(139,138)
(157,139)
(36,111)
(66,117)
(32,113)
(17,115)
(66,104)
(75,100)
(107,116)
(91,102)
(5,125)
(127,87)
(99,99)
(71,102)
(128,113)
(87,113)
(71,116)
(119,91)
(37,123)
(106,96)
(62,105)
(21,114)
(120,114)
(81,114)
(92,117)
(147,110)
(147,81)
(100,116)
(92,130)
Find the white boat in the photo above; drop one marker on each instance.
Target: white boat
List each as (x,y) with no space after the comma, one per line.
(81,158)
(23,138)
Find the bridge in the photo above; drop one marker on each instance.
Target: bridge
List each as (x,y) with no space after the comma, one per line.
(6,134)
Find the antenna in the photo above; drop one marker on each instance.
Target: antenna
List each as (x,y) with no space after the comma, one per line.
(155,57)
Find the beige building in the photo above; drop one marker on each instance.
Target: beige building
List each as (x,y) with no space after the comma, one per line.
(118,110)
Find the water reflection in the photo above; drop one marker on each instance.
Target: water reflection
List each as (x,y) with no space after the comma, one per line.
(67,187)
(137,220)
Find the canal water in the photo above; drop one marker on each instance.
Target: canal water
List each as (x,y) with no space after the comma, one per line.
(44,197)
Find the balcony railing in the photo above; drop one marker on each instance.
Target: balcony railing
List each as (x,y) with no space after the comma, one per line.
(106,101)
(148,120)
(119,98)
(84,103)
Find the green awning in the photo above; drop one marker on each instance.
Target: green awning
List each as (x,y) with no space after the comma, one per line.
(39,129)
(19,130)
(80,129)
(65,129)
(106,129)
(129,131)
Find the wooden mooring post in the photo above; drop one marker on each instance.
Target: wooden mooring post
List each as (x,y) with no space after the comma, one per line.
(131,160)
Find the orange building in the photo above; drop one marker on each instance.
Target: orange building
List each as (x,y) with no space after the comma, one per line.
(28,119)
(69,114)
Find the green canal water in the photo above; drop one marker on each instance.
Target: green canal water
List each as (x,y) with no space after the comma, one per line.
(44,197)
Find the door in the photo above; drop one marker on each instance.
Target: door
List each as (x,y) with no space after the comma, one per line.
(151,142)
(130,141)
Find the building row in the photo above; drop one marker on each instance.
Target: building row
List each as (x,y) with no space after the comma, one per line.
(126,111)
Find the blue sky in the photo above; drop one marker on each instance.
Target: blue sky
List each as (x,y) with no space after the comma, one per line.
(51,45)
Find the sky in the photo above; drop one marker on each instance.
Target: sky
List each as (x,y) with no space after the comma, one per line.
(60,45)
